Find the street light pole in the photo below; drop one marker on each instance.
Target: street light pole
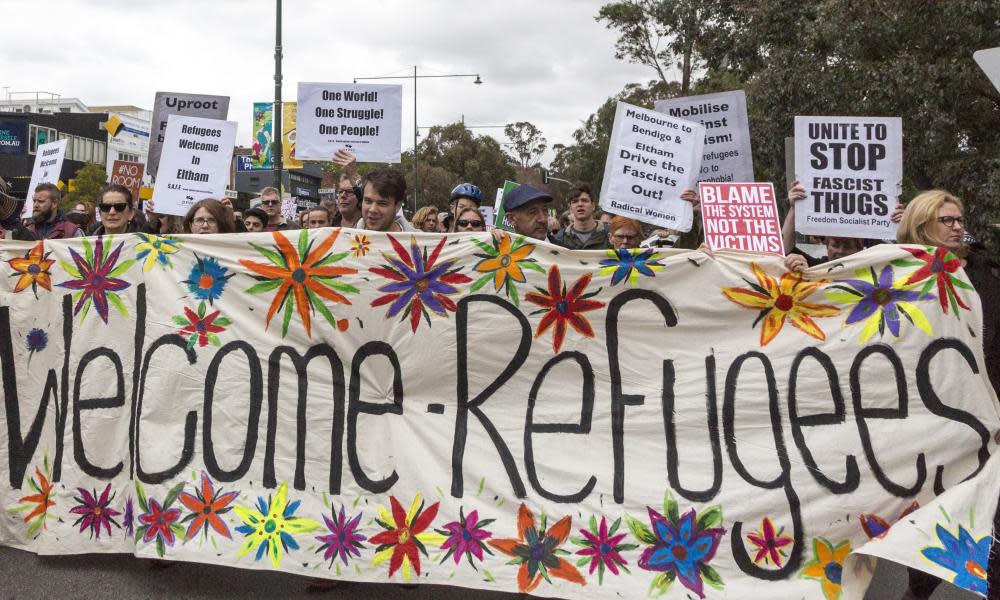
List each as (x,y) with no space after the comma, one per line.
(276,108)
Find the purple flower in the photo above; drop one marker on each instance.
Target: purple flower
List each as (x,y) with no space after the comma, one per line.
(343,539)
(883,297)
(128,519)
(604,547)
(466,536)
(96,280)
(95,512)
(37,340)
(682,548)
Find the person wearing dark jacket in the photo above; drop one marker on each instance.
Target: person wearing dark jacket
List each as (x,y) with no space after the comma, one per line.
(11,227)
(117,211)
(583,232)
(48,220)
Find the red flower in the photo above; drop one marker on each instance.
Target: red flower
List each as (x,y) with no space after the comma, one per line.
(938,268)
(564,307)
(159,522)
(205,508)
(404,538)
(198,326)
(769,543)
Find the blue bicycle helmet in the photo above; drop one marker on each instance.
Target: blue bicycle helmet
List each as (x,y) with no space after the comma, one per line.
(467,190)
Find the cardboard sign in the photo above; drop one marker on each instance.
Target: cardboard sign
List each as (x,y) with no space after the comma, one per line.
(172,103)
(652,159)
(197,155)
(13,136)
(362,119)
(263,128)
(852,170)
(289,136)
(741,216)
(48,164)
(727,157)
(365,406)
(128,174)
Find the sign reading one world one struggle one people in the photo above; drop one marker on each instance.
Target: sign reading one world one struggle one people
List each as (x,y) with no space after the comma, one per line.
(364,120)
(496,414)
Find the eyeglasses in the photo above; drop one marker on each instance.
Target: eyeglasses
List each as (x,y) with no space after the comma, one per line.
(345,192)
(118,206)
(466,223)
(950,221)
(269,202)
(205,222)
(620,237)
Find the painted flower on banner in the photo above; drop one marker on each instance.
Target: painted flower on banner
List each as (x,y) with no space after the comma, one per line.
(504,263)
(962,554)
(207,505)
(827,566)
(561,307)
(360,245)
(770,544)
(537,549)
(602,548)
(201,328)
(302,277)
(938,267)
(37,341)
(419,284)
(343,538)
(95,511)
(208,279)
(270,527)
(466,537)
(159,523)
(154,249)
(875,527)
(37,505)
(629,264)
(680,547)
(128,518)
(781,301)
(33,270)
(96,278)
(406,535)
(879,302)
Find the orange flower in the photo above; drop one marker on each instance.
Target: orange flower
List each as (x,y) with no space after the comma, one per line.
(538,551)
(33,269)
(779,301)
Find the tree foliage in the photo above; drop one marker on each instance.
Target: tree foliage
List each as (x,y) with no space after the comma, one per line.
(86,183)
(527,142)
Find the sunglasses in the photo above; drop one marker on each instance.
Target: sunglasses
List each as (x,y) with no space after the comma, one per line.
(465,223)
(118,206)
(269,202)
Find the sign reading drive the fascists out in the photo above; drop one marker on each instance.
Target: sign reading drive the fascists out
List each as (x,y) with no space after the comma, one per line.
(173,103)
(365,120)
(195,164)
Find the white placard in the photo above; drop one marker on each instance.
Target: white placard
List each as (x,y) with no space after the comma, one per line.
(652,159)
(852,169)
(48,164)
(727,157)
(197,154)
(365,120)
(174,103)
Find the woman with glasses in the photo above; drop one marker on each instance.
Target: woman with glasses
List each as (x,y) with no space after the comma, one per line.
(116,207)
(470,219)
(208,216)
(624,233)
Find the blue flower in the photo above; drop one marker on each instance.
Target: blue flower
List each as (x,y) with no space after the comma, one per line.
(207,279)
(37,340)
(628,264)
(964,555)
(681,547)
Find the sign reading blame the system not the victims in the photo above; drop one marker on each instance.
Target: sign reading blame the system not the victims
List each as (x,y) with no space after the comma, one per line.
(740,216)
(851,168)
(364,120)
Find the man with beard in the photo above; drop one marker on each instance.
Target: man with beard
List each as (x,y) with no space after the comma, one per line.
(48,220)
(583,232)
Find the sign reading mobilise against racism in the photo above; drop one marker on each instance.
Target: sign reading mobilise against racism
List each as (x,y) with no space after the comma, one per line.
(173,103)
(197,154)
(651,160)
(365,120)
(727,157)
(48,164)
(650,421)
(741,216)
(852,170)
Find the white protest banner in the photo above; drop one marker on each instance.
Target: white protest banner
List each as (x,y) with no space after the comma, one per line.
(740,216)
(48,164)
(173,103)
(989,62)
(365,120)
(495,413)
(852,170)
(652,159)
(727,157)
(197,155)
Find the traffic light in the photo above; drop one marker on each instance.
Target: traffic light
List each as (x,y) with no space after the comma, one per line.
(545,176)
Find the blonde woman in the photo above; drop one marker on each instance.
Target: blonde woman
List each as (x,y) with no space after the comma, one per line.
(426,219)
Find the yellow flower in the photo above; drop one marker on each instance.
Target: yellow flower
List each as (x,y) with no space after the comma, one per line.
(778,301)
(360,245)
(827,566)
(270,529)
(504,263)
(155,249)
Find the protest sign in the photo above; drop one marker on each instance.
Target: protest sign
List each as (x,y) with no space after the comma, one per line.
(727,133)
(362,119)
(48,164)
(501,220)
(13,136)
(721,427)
(740,216)
(289,136)
(128,174)
(263,128)
(197,155)
(989,62)
(852,170)
(172,103)
(652,159)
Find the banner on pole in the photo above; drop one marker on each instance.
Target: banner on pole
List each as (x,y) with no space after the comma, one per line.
(197,156)
(48,164)
(173,103)
(852,170)
(289,136)
(652,159)
(365,120)
(741,216)
(263,131)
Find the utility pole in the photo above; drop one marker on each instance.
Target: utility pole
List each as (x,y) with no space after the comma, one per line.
(276,109)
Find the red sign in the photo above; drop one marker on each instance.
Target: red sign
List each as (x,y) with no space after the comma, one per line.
(128,174)
(740,216)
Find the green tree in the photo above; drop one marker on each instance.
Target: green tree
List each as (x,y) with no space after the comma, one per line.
(86,183)
(527,142)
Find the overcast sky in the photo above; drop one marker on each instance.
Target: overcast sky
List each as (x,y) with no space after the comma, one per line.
(544,61)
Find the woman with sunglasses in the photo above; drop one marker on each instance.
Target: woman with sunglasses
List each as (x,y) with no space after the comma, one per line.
(208,216)
(470,219)
(117,213)
(82,215)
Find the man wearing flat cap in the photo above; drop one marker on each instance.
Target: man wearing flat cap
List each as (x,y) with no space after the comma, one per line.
(525,208)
